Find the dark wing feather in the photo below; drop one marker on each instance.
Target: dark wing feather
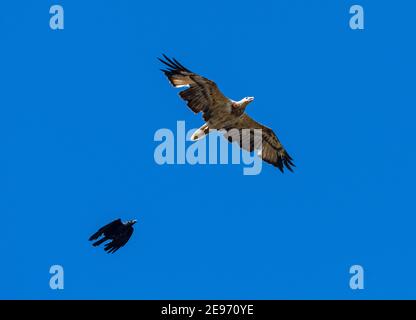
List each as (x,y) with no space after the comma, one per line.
(119,242)
(106,229)
(202,94)
(270,149)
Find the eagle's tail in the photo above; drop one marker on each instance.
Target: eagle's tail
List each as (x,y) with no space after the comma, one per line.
(200,133)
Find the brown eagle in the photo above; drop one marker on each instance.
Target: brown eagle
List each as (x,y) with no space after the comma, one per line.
(222,113)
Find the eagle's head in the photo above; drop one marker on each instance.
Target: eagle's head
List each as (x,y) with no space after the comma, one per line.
(245,101)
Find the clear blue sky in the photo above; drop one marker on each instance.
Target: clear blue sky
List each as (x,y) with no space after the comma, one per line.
(79,109)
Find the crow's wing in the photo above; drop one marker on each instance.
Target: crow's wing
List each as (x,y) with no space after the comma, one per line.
(119,242)
(106,229)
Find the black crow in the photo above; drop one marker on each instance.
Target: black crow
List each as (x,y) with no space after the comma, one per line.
(117,231)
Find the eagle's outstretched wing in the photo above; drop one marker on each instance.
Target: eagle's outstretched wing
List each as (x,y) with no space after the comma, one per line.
(271,151)
(119,242)
(202,94)
(106,229)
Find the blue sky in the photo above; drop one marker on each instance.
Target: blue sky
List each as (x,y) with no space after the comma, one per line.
(79,108)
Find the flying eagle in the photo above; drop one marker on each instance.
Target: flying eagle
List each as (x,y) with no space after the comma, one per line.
(117,231)
(222,113)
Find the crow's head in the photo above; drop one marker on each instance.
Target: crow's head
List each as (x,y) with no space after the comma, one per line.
(131,222)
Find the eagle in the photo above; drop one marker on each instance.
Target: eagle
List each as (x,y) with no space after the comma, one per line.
(225,115)
(117,231)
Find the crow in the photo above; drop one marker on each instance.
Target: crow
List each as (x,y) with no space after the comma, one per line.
(117,231)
